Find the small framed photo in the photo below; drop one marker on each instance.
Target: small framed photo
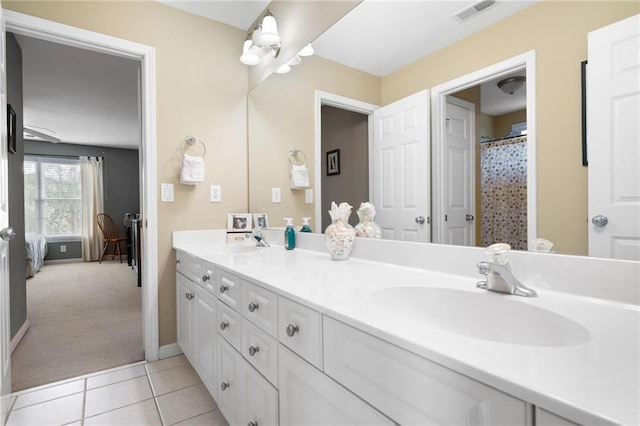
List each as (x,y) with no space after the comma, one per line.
(11,129)
(260,219)
(333,162)
(239,222)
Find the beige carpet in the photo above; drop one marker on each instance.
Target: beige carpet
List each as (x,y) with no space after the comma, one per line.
(85,317)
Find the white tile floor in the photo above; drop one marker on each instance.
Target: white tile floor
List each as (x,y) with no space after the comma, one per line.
(165,392)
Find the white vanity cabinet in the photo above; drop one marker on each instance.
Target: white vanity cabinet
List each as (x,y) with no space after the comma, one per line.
(410,389)
(196,317)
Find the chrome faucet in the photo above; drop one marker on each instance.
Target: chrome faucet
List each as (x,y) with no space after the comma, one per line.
(501,279)
(259,238)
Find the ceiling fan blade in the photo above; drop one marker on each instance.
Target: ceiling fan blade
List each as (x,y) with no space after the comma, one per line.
(43,136)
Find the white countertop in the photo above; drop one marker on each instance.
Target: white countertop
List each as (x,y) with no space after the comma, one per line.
(592,379)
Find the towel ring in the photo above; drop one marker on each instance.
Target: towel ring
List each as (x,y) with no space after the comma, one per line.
(191,140)
(293,154)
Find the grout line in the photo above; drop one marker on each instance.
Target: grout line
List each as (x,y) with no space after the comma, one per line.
(155,398)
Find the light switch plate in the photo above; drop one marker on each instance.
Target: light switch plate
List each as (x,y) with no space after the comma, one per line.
(275,195)
(215,194)
(167,192)
(308,196)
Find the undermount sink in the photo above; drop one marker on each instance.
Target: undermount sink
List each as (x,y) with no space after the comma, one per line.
(482,315)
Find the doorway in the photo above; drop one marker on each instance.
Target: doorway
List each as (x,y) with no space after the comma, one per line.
(76,37)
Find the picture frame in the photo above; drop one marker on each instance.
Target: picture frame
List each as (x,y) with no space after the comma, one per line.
(583,89)
(260,219)
(239,222)
(333,162)
(11,129)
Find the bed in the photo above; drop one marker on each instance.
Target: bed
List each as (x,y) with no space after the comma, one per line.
(36,248)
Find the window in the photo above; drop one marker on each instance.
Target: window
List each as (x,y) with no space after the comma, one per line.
(53,197)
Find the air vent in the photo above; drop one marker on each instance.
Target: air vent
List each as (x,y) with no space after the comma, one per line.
(473,10)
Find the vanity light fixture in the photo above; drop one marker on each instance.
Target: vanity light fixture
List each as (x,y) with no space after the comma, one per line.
(512,84)
(283,69)
(307,50)
(263,40)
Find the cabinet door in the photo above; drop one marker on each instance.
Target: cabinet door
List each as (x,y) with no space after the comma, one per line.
(259,399)
(308,397)
(184,296)
(411,389)
(228,383)
(204,338)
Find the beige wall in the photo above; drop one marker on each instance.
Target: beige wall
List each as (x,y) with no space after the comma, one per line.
(281,117)
(201,90)
(557,31)
(502,123)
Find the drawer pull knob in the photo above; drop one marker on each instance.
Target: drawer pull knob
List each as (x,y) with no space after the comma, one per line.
(223,288)
(253,307)
(224,386)
(205,278)
(252,424)
(291,330)
(253,350)
(224,325)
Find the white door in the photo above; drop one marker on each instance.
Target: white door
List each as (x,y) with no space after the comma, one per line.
(5,337)
(613,108)
(458,171)
(402,168)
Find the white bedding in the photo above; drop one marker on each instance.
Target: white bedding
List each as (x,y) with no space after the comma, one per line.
(36,248)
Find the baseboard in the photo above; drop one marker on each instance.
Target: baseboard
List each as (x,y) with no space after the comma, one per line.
(167,351)
(19,335)
(72,260)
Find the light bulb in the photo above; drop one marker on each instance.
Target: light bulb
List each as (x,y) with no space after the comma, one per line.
(283,69)
(307,50)
(269,33)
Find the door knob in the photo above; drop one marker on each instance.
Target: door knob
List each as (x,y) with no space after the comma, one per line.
(469,218)
(253,306)
(420,220)
(600,220)
(224,386)
(253,350)
(291,330)
(7,234)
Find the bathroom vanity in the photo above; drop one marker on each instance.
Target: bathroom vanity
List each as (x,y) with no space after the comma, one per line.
(400,334)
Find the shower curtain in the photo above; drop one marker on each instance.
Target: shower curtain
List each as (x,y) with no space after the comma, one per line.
(503,176)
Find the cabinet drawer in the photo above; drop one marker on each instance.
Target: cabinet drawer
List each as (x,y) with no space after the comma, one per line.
(208,278)
(261,350)
(259,306)
(228,288)
(300,329)
(189,266)
(229,325)
(410,389)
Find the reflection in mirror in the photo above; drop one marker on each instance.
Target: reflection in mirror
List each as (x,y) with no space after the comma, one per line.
(281,113)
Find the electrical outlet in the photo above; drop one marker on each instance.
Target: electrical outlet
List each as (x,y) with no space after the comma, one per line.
(308,196)
(63,249)
(167,192)
(275,195)
(215,194)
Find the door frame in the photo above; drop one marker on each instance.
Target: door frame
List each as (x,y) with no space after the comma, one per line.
(526,61)
(342,102)
(76,37)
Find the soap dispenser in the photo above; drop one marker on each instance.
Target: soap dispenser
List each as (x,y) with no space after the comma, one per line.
(305,225)
(289,234)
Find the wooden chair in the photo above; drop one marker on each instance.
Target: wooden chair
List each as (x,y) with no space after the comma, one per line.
(110,233)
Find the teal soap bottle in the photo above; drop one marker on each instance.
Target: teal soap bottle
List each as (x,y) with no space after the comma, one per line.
(305,225)
(289,235)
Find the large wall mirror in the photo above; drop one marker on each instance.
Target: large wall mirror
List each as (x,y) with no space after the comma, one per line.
(282,112)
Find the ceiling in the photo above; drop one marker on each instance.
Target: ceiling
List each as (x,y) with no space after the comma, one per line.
(89,98)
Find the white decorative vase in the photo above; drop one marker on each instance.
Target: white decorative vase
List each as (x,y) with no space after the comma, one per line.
(367,228)
(340,235)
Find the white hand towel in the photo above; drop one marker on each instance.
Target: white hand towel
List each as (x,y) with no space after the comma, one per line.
(192,170)
(299,176)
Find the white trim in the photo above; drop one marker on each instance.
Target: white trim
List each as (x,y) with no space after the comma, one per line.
(64,34)
(167,351)
(525,61)
(19,335)
(325,98)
